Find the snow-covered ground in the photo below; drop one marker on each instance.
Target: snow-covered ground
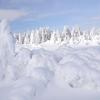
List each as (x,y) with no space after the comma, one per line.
(47,71)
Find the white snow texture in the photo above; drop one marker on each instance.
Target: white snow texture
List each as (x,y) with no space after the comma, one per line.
(25,73)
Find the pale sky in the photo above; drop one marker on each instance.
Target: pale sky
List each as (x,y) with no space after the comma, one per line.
(29,14)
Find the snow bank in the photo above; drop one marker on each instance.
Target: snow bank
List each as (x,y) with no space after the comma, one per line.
(79,68)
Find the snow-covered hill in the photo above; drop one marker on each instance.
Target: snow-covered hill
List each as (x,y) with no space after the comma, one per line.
(29,72)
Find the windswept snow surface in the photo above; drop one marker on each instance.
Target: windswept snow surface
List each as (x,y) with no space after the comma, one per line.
(47,72)
(36,74)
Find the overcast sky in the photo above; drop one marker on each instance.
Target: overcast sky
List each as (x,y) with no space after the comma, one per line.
(28,14)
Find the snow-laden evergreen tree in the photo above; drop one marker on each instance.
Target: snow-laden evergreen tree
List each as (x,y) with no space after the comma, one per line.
(66,34)
(57,36)
(32,37)
(37,37)
(20,38)
(7,47)
(53,37)
(95,35)
(23,38)
(27,39)
(48,31)
(72,35)
(76,33)
(44,34)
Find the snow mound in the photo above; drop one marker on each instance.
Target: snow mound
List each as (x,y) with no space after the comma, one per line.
(79,68)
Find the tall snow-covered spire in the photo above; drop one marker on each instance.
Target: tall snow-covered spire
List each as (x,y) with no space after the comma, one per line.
(7,47)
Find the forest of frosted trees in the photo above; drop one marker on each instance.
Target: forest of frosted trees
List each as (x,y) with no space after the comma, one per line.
(68,36)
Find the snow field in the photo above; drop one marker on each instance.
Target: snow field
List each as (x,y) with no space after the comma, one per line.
(25,73)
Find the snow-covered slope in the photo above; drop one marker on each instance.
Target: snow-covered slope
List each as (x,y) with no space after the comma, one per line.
(64,69)
(31,73)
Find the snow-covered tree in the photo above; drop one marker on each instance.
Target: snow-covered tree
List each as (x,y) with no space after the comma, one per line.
(66,34)
(27,39)
(32,37)
(37,37)
(53,37)
(7,46)
(44,34)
